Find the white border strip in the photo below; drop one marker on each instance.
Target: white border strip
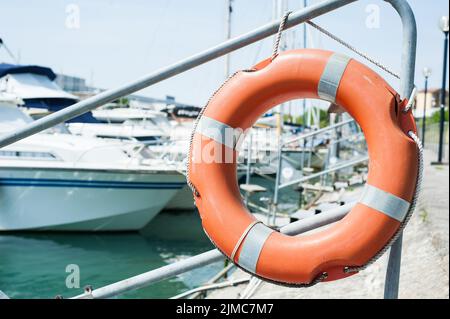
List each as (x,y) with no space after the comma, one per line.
(331,77)
(384,202)
(219,132)
(252,246)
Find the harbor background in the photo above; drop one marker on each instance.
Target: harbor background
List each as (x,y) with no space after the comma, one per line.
(33,264)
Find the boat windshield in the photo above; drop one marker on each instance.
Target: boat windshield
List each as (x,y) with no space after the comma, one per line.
(60,128)
(11,118)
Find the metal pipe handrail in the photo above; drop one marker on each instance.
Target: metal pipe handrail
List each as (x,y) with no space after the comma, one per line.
(319,131)
(324,172)
(212,286)
(408,64)
(223,273)
(191,62)
(346,138)
(208,257)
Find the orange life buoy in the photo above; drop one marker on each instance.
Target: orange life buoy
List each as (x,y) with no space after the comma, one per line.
(387,195)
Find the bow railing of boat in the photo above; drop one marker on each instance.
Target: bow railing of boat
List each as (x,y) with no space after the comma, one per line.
(408,56)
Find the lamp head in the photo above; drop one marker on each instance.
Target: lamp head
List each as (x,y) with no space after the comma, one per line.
(426,72)
(443,24)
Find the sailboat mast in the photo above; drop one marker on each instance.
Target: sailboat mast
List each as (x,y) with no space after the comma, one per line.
(304,46)
(280,12)
(11,55)
(228,35)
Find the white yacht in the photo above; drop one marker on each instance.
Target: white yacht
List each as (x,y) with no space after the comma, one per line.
(36,87)
(149,127)
(122,114)
(130,130)
(61,181)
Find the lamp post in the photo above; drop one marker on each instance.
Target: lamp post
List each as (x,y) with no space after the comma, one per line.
(443,24)
(426,73)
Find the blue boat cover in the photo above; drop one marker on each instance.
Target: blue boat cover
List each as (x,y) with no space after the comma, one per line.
(6,68)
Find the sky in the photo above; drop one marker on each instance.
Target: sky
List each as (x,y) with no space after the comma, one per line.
(112,42)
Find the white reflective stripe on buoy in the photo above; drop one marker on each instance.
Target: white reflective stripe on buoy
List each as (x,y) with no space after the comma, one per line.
(219,132)
(252,246)
(331,77)
(384,202)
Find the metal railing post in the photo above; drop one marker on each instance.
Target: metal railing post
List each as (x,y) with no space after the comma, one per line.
(248,167)
(406,84)
(442,100)
(277,179)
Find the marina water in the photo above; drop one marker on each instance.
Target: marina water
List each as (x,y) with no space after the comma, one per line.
(33,265)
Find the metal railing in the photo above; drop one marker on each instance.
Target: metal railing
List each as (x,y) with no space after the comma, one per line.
(296,18)
(323,136)
(431,141)
(335,168)
(209,257)
(317,132)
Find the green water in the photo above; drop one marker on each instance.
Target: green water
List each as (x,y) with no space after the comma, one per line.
(34,265)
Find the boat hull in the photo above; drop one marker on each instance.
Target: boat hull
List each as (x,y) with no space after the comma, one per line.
(184,200)
(82,200)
